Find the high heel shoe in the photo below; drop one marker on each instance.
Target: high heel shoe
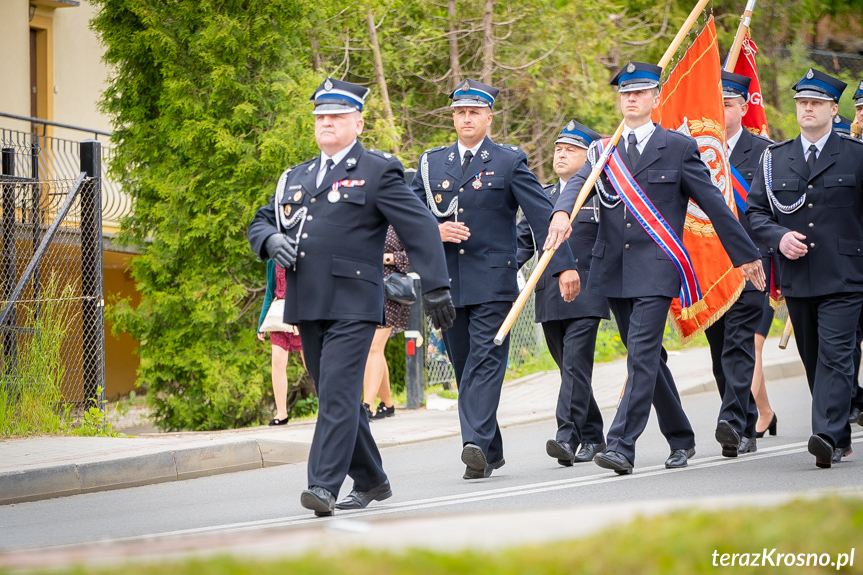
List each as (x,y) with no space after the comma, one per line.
(771,428)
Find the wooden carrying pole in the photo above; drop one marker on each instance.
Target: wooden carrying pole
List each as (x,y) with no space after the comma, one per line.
(590,181)
(742,32)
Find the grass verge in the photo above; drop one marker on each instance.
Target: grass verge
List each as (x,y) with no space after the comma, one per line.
(681,543)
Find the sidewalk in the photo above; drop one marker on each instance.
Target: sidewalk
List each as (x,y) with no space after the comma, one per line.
(45,467)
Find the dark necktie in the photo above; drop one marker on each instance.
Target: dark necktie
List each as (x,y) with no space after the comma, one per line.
(330,163)
(468,156)
(810,161)
(632,149)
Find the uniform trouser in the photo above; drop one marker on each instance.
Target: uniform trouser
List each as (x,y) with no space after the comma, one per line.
(732,349)
(336,353)
(479,367)
(824,329)
(572,343)
(641,322)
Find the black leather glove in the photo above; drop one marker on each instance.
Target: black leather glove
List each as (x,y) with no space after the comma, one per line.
(439,308)
(282,250)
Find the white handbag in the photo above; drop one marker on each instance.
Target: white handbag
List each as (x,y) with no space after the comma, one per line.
(274,320)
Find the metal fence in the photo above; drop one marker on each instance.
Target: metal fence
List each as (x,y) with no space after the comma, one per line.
(58,158)
(51,311)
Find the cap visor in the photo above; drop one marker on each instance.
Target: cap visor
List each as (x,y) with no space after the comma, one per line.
(858,102)
(466,102)
(333,108)
(726,94)
(638,86)
(571,141)
(814,94)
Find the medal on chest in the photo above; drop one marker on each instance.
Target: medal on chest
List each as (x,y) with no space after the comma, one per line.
(477,183)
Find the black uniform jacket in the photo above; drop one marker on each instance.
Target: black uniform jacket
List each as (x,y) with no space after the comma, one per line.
(483,268)
(831,215)
(339,270)
(626,261)
(548,304)
(745,157)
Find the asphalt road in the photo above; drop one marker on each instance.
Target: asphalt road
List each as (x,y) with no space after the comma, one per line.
(427,480)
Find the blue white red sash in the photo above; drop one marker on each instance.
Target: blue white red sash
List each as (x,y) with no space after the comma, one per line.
(741,188)
(656,227)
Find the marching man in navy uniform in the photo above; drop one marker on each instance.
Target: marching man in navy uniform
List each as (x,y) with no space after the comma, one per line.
(570,327)
(326,226)
(474,188)
(732,337)
(856,415)
(807,199)
(655,173)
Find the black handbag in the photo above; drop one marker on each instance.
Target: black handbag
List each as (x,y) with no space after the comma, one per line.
(399,287)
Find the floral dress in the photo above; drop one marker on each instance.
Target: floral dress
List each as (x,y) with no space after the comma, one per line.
(395,314)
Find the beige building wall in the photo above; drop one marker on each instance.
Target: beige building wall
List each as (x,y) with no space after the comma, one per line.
(15,47)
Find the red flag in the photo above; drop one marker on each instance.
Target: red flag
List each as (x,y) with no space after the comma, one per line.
(691,102)
(755,119)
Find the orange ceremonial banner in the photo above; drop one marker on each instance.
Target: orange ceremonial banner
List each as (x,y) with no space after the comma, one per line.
(691,103)
(755,119)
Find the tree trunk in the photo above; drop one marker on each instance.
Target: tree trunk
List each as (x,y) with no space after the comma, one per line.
(487,43)
(454,63)
(381,79)
(316,54)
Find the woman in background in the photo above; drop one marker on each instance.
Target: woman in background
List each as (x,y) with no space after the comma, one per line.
(282,343)
(376,381)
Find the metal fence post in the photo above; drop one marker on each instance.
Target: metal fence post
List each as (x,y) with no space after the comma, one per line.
(415,358)
(93,318)
(7,267)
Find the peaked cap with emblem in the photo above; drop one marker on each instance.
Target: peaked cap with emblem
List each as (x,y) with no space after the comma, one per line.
(842,125)
(735,85)
(819,86)
(338,97)
(858,95)
(637,76)
(577,135)
(473,93)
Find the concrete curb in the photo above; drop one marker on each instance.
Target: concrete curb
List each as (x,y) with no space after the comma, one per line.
(147,469)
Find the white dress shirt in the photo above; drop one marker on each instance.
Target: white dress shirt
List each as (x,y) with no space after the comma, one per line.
(336,158)
(462,149)
(642,134)
(732,141)
(819,145)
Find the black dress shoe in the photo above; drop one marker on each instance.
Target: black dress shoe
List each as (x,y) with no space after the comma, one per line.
(854,416)
(277,421)
(319,500)
(727,438)
(840,452)
(822,449)
(471,473)
(679,457)
(588,451)
(747,445)
(474,458)
(361,499)
(615,461)
(771,428)
(384,411)
(561,451)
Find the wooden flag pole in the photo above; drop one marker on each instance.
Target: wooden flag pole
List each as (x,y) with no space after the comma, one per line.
(742,33)
(591,180)
(786,334)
